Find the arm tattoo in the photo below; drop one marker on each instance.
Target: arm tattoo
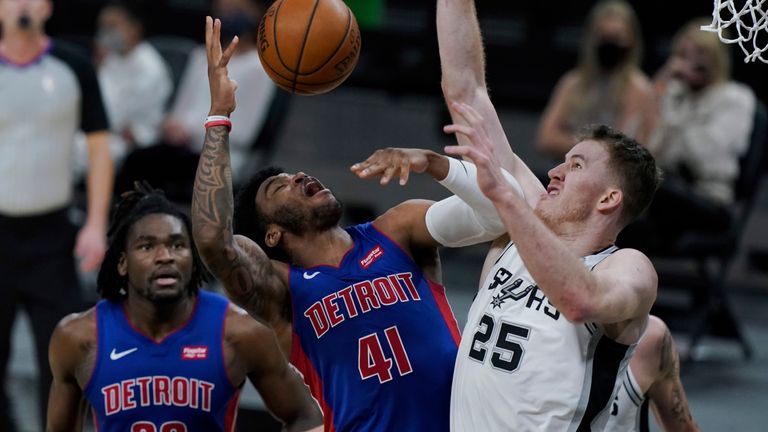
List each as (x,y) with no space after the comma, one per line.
(667,363)
(212,202)
(680,407)
(213,207)
(212,214)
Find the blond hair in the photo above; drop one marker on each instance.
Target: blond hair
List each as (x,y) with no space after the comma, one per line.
(588,69)
(718,52)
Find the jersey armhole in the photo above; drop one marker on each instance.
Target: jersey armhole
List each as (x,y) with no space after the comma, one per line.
(97,360)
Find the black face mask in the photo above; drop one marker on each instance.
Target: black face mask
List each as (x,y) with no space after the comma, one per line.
(610,55)
(236,24)
(25,22)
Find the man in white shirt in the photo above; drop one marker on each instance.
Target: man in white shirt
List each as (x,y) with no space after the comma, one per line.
(134,79)
(182,127)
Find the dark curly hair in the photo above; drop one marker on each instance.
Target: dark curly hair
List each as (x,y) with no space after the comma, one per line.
(134,205)
(249,220)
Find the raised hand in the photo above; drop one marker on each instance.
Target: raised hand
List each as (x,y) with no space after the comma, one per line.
(222,87)
(390,162)
(489,176)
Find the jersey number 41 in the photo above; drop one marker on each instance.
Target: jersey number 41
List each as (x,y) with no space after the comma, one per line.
(373,362)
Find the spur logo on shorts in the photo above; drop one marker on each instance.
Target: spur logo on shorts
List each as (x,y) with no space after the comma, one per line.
(194,353)
(372,257)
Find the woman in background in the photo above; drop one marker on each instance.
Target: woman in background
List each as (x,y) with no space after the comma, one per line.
(606,87)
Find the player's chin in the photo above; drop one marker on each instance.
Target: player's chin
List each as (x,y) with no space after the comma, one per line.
(166,293)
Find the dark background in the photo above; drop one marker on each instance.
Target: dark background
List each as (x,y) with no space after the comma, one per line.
(529,44)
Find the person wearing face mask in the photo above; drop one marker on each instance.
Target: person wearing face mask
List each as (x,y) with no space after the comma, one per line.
(606,87)
(182,142)
(134,78)
(49,93)
(704,128)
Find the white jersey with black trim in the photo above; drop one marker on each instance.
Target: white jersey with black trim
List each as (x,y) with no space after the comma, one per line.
(629,412)
(522,366)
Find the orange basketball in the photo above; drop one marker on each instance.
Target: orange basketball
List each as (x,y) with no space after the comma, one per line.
(308,47)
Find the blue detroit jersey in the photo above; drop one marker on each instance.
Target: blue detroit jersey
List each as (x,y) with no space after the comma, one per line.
(179,384)
(375,340)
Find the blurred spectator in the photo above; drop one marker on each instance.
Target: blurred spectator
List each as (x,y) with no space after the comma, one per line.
(134,78)
(705,125)
(606,87)
(254,88)
(49,92)
(182,131)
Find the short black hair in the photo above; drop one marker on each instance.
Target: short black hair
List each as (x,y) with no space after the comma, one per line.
(135,10)
(633,165)
(134,205)
(249,220)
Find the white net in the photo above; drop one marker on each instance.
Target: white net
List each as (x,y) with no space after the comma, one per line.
(743,22)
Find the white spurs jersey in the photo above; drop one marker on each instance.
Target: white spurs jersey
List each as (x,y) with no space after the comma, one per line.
(629,412)
(522,366)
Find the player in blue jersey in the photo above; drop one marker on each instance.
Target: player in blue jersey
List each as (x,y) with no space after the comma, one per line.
(361,310)
(157,354)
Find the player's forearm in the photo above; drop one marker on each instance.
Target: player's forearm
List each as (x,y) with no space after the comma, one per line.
(461,49)
(212,200)
(558,272)
(100,178)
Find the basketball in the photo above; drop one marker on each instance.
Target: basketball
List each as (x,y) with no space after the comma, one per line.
(308,47)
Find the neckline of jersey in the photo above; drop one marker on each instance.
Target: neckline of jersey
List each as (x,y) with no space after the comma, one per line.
(33,61)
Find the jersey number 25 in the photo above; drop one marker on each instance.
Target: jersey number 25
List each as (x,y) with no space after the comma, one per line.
(508,352)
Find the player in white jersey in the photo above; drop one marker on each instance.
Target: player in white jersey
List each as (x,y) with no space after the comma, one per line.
(653,375)
(546,336)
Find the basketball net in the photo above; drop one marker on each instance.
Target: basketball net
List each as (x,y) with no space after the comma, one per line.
(746,24)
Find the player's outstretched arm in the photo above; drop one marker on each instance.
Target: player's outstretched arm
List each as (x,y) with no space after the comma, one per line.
(278,383)
(467,218)
(248,275)
(67,407)
(668,400)
(463,80)
(622,288)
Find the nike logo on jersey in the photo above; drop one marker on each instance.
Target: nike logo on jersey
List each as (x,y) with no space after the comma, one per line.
(114,355)
(309,276)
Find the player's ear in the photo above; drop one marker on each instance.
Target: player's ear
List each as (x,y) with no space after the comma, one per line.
(610,201)
(122,265)
(273,235)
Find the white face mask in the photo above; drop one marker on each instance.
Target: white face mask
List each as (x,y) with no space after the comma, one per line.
(112,40)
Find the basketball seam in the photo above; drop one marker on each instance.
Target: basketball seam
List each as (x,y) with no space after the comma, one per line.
(278,74)
(274,38)
(338,48)
(303,45)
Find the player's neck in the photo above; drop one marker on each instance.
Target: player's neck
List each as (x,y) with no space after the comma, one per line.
(158,320)
(22,46)
(585,239)
(326,247)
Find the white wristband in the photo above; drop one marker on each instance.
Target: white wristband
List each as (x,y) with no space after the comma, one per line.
(217,118)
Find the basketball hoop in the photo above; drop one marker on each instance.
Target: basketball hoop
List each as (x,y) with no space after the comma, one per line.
(747,22)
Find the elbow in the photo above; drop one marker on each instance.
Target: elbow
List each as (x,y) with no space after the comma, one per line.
(210,242)
(577,309)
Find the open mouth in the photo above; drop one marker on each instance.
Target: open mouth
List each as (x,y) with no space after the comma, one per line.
(553,191)
(312,187)
(166,278)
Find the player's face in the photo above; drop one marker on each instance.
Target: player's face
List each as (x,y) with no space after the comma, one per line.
(576,185)
(24,14)
(298,202)
(157,258)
